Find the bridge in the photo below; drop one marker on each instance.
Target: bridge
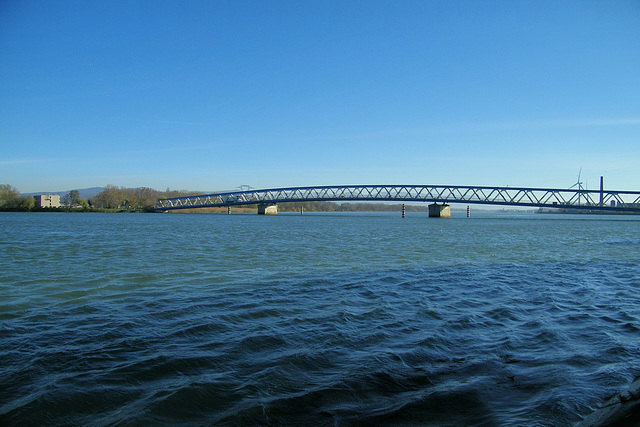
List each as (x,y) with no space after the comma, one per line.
(267,199)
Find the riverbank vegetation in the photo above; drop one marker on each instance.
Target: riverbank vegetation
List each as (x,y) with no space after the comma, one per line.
(110,199)
(10,199)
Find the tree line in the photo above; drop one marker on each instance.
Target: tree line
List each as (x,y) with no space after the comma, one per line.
(141,198)
(10,199)
(111,198)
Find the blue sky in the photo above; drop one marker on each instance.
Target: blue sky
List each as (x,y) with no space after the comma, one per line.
(210,95)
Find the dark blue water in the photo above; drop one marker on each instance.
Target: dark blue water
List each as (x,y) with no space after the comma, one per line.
(315,319)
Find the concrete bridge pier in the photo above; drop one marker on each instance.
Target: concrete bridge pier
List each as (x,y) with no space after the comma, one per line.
(267,209)
(439,211)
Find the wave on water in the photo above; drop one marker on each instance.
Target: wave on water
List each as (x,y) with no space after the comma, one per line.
(504,344)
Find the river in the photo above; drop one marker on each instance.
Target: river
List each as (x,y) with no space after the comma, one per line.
(316,319)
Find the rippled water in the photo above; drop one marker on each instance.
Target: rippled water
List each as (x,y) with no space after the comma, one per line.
(315,319)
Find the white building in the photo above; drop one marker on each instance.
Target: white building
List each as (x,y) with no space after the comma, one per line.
(48,201)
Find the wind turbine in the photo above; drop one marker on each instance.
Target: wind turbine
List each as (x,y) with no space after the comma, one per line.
(578,184)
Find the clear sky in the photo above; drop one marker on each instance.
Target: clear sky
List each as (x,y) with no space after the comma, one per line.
(210,95)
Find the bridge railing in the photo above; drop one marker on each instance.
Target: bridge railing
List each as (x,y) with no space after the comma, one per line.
(514,196)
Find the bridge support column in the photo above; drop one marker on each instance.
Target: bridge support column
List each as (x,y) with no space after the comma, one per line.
(439,211)
(267,209)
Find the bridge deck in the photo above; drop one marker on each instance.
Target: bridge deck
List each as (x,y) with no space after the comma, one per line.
(512,196)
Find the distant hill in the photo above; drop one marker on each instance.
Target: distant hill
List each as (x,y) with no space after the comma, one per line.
(85,193)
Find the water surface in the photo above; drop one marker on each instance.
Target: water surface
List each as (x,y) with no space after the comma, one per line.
(315,319)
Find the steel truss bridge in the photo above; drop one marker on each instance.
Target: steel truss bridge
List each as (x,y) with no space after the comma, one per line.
(601,200)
